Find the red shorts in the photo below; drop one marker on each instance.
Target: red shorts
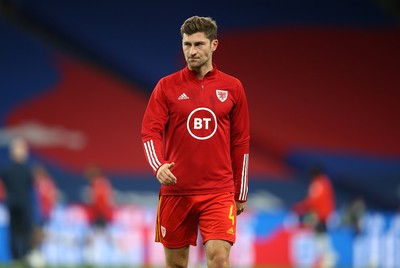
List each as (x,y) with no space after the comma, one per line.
(180,216)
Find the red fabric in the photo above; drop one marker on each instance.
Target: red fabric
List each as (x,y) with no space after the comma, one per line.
(179,217)
(101,198)
(108,113)
(210,156)
(320,199)
(2,192)
(47,194)
(302,77)
(274,250)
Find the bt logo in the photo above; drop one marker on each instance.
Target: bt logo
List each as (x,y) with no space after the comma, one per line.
(198,123)
(202,123)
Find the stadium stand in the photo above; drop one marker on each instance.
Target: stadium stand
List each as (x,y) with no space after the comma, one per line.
(303,78)
(321,79)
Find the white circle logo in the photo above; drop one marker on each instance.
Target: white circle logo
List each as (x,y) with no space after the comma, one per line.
(202,123)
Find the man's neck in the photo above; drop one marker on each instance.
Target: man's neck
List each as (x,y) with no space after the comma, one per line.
(202,71)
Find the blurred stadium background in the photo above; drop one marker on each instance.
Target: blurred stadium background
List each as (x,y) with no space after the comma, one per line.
(322,80)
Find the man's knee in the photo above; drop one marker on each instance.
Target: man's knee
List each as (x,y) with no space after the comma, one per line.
(177,258)
(176,263)
(218,259)
(218,253)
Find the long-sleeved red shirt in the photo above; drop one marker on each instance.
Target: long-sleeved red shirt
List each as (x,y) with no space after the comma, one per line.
(320,199)
(47,194)
(202,126)
(101,198)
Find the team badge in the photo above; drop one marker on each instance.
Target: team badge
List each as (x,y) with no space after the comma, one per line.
(163,231)
(222,94)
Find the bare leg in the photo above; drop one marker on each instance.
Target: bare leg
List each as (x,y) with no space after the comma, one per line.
(177,257)
(217,253)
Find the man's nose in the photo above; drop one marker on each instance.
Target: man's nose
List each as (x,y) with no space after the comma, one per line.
(193,50)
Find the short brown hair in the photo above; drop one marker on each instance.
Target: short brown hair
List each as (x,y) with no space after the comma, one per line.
(197,24)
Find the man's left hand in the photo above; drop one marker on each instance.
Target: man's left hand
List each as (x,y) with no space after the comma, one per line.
(240,206)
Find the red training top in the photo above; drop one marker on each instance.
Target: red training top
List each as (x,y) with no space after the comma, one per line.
(47,194)
(101,197)
(202,126)
(320,198)
(2,192)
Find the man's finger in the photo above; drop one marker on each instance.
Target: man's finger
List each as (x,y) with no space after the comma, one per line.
(169,178)
(172,178)
(239,211)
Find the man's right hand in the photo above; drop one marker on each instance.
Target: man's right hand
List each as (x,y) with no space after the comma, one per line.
(165,176)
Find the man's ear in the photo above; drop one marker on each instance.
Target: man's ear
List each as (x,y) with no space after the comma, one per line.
(214,44)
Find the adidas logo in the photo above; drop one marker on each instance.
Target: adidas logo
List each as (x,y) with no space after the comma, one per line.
(183,97)
(230,231)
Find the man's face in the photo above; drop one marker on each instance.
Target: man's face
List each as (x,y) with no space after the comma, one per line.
(198,49)
(19,150)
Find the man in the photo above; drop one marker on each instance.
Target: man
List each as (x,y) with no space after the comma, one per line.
(315,210)
(46,198)
(196,139)
(319,204)
(100,198)
(18,184)
(46,191)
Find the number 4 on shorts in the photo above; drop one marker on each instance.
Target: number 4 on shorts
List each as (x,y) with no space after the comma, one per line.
(231,216)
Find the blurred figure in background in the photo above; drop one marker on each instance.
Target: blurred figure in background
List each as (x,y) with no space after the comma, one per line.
(46,198)
(100,198)
(18,185)
(100,208)
(46,191)
(2,192)
(354,213)
(315,210)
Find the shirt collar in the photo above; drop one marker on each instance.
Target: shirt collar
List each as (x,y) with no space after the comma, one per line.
(210,74)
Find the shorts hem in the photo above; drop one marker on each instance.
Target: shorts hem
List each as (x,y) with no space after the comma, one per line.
(177,245)
(231,240)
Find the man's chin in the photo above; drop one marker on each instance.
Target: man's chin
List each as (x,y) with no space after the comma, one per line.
(195,64)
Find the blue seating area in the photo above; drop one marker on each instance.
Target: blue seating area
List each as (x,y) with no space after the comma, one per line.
(26,64)
(142,39)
